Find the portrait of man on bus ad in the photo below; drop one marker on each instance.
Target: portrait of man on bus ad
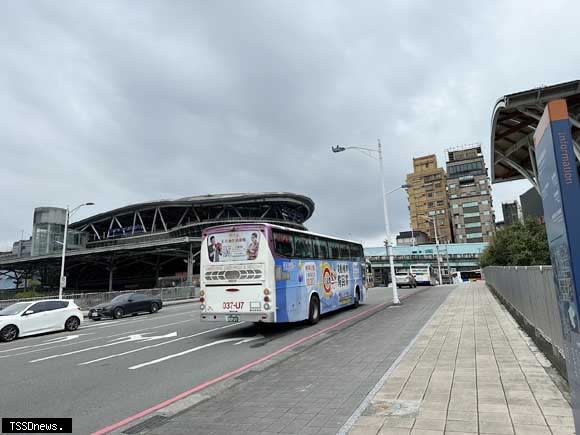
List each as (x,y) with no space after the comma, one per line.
(233,246)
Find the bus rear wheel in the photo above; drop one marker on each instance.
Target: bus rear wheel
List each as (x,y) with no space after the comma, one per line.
(314,310)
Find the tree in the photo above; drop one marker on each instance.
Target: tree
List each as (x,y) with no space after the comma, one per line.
(520,244)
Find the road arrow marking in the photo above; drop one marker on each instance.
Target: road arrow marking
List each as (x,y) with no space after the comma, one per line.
(142,337)
(121,340)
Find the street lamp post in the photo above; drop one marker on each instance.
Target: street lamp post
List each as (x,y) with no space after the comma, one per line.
(434,220)
(69,213)
(379,151)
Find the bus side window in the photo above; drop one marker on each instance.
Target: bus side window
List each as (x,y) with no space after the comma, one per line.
(283,244)
(334,250)
(315,247)
(355,252)
(322,248)
(344,251)
(303,246)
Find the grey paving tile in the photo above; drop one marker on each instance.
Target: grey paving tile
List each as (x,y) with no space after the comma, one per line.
(461,426)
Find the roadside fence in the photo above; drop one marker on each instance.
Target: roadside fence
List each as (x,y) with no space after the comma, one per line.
(529,293)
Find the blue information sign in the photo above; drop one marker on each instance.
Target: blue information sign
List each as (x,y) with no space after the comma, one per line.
(558,181)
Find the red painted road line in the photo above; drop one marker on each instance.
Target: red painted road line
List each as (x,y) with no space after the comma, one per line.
(230,374)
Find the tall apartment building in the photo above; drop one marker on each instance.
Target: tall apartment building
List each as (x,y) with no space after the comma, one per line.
(428,197)
(469,190)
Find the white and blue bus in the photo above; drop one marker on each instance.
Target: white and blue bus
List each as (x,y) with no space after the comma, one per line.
(424,274)
(272,274)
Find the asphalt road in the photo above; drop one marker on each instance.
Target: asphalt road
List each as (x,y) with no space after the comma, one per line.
(108,370)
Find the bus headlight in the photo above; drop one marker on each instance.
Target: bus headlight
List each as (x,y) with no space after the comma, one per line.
(266,299)
(201,293)
(266,291)
(266,306)
(202,307)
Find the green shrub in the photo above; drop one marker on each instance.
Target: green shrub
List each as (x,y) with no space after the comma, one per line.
(520,244)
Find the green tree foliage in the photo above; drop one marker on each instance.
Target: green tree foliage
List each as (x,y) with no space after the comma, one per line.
(520,244)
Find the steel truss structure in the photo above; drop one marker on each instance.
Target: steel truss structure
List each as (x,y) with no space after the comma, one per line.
(515,118)
(134,246)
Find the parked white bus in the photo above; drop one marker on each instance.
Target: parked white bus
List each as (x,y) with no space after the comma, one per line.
(424,274)
(268,273)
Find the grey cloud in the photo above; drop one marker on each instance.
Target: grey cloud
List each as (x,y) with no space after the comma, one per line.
(114,103)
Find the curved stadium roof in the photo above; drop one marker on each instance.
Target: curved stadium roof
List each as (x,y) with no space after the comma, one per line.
(189,215)
(515,118)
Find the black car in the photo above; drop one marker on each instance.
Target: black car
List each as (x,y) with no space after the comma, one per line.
(129,303)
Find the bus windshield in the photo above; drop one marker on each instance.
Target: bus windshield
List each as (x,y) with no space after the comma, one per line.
(233,246)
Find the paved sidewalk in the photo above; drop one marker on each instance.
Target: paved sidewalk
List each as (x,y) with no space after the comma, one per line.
(314,388)
(469,371)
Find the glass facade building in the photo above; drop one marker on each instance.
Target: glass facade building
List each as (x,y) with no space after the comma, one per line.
(48,230)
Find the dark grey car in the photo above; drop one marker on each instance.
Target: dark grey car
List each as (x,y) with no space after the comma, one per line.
(122,305)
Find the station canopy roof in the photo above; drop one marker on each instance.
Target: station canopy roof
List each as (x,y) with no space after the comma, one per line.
(515,118)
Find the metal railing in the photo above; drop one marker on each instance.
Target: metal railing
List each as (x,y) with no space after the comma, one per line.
(530,290)
(86,300)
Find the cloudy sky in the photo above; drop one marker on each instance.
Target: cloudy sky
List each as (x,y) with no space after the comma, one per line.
(119,102)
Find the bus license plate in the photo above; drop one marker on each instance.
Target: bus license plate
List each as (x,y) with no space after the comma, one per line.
(233,319)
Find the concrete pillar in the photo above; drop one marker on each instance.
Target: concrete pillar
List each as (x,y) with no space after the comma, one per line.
(190,265)
(157,270)
(111,278)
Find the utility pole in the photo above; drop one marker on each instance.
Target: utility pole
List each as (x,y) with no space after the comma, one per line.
(448,266)
(379,151)
(434,220)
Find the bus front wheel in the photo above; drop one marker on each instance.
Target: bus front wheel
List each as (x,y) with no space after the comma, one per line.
(356,298)
(314,310)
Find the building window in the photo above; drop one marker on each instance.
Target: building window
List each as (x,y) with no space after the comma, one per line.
(484,192)
(486,213)
(468,215)
(455,206)
(485,201)
(439,203)
(429,204)
(453,196)
(470,204)
(474,235)
(482,181)
(473,225)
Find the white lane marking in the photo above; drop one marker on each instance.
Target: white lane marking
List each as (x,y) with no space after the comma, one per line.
(195,349)
(51,341)
(154,345)
(100,325)
(94,339)
(128,339)
(246,340)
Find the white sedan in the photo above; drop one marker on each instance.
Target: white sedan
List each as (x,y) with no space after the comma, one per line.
(29,318)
